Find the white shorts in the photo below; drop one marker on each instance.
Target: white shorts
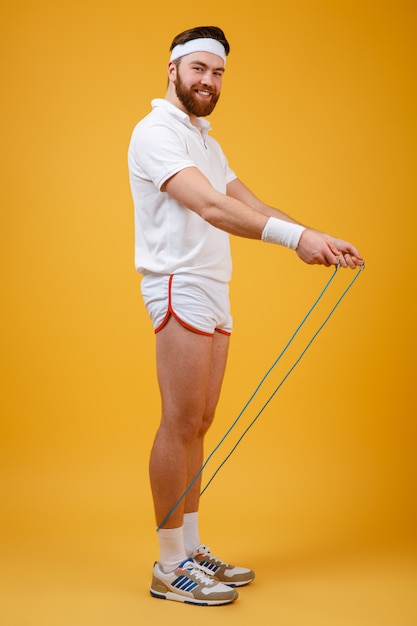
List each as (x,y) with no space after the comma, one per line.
(198,303)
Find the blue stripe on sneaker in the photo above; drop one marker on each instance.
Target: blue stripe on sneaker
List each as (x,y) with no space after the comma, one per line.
(189,586)
(210,566)
(184,583)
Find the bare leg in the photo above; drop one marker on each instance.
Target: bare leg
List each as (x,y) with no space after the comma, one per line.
(190,372)
(196,457)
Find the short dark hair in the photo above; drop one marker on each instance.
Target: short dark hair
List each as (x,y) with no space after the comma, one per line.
(202,32)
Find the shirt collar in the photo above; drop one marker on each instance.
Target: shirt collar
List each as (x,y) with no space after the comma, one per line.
(203,124)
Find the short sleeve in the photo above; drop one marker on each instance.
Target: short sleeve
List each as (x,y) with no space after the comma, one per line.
(159,152)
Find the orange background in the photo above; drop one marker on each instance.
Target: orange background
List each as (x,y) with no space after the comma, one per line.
(317,116)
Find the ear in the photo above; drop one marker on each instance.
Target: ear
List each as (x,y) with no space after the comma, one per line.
(172,71)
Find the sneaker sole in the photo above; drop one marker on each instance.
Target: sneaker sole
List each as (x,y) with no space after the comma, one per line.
(235,583)
(171,595)
(238,584)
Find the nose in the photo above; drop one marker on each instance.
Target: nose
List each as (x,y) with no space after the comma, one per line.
(207,79)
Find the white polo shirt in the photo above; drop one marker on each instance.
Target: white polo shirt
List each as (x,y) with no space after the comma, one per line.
(169,237)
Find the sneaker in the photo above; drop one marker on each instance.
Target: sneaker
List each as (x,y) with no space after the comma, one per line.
(223,572)
(189,583)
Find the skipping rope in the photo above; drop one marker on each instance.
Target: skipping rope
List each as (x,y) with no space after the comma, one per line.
(263,379)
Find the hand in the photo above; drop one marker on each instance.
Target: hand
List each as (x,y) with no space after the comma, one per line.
(317,248)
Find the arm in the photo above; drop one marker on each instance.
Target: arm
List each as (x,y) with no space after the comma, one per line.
(237,189)
(192,189)
(314,247)
(239,212)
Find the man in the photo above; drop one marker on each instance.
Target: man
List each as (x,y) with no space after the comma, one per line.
(187,202)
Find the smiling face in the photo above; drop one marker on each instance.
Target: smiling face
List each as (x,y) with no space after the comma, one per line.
(198,80)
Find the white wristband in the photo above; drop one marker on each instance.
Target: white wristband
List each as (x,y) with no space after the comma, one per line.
(284,233)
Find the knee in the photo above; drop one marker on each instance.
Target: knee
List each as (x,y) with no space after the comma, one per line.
(206,422)
(183,429)
(186,425)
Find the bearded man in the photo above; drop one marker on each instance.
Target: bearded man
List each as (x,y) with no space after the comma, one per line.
(187,202)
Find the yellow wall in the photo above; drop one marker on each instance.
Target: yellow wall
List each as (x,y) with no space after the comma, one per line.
(317,116)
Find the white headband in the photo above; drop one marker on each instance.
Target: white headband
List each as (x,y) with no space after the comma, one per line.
(199,45)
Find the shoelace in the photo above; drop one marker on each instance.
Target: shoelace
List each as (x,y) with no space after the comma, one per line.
(198,572)
(204,551)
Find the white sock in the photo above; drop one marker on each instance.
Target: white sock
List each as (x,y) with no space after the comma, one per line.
(171,548)
(191,535)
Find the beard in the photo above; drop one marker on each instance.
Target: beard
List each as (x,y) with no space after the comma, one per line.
(190,101)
